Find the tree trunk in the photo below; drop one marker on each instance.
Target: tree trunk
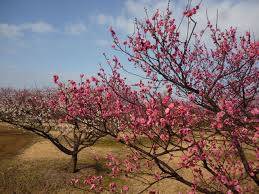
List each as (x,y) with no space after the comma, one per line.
(74,163)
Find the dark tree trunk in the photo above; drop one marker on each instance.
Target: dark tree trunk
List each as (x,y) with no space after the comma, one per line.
(74,163)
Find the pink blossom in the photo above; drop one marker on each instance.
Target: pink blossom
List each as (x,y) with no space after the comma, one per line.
(185,131)
(113,187)
(171,106)
(125,188)
(55,78)
(167,110)
(163,122)
(166,100)
(255,111)
(164,137)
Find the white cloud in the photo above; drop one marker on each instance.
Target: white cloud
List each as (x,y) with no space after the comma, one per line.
(124,23)
(9,30)
(242,14)
(103,43)
(132,9)
(136,8)
(120,22)
(38,27)
(104,19)
(14,31)
(75,29)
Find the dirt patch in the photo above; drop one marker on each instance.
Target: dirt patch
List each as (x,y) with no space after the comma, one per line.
(13,141)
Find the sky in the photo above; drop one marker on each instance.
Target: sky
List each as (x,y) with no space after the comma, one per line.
(40,38)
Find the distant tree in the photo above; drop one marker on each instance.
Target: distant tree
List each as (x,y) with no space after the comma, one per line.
(40,112)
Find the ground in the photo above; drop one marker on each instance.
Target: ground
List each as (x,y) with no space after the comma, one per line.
(30,164)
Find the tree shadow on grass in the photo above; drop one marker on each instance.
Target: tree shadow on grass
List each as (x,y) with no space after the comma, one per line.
(99,167)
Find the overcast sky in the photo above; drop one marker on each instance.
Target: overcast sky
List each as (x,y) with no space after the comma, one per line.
(39,38)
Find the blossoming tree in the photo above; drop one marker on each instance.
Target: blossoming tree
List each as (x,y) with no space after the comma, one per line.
(44,112)
(206,123)
(193,117)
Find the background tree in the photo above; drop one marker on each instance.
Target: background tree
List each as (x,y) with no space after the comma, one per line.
(41,112)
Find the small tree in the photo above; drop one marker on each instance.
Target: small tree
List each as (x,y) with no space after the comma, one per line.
(40,112)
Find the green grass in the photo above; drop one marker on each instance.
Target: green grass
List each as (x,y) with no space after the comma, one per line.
(107,142)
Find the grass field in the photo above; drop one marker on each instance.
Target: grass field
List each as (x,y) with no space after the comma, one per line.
(29,164)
